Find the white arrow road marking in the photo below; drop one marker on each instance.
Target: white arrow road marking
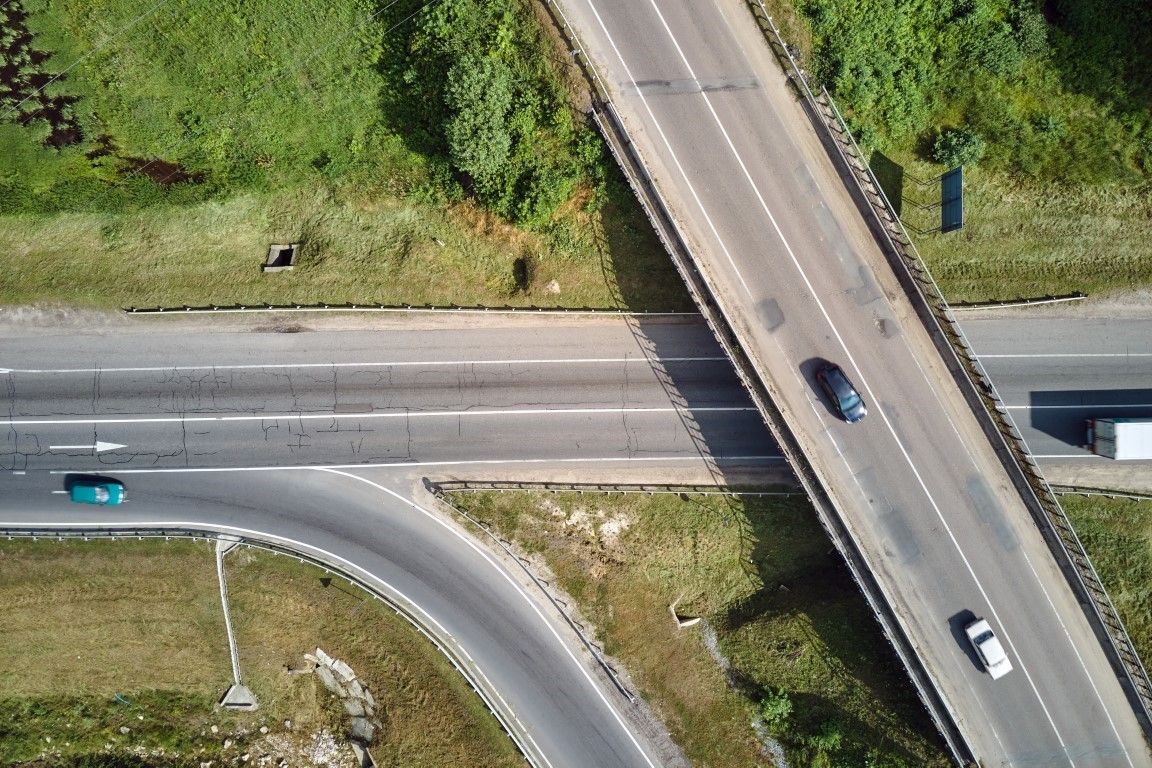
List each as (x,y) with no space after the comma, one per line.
(97,447)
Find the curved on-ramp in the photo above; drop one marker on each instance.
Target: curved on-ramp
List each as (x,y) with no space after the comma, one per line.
(552,699)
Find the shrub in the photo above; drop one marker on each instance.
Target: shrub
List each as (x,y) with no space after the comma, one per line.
(479,96)
(998,52)
(957,146)
(776,708)
(1031,31)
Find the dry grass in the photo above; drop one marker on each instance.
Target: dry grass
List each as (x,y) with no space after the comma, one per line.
(104,617)
(625,558)
(430,715)
(1025,240)
(380,250)
(87,621)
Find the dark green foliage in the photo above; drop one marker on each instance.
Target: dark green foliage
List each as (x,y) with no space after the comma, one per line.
(180,103)
(1030,29)
(478,88)
(997,50)
(957,146)
(1104,48)
(1065,98)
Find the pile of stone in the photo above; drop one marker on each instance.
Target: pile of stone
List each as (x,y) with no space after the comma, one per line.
(358,702)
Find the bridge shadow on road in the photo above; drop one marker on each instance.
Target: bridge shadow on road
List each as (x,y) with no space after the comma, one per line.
(1063,414)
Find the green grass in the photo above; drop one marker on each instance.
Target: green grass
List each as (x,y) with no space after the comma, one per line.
(1117,534)
(85,622)
(430,715)
(211,131)
(784,609)
(1062,199)
(1025,239)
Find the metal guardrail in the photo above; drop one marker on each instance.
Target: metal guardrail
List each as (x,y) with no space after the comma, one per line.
(439,638)
(974,382)
(674,241)
(463,486)
(1034,302)
(406,308)
(1079,490)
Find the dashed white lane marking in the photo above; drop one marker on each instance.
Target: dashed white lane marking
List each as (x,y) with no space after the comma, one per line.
(639,358)
(370,415)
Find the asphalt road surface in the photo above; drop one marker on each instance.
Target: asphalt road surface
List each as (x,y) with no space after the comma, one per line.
(168,369)
(563,701)
(793,266)
(1055,373)
(184,400)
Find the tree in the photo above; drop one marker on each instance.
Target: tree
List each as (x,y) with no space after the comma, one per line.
(957,146)
(479,97)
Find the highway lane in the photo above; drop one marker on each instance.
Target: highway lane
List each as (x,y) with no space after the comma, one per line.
(427,367)
(321,397)
(1053,373)
(575,717)
(799,277)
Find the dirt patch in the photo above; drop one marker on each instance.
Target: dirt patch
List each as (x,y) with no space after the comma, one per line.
(162,172)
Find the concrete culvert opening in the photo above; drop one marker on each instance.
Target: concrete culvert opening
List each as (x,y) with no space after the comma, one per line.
(280,257)
(520,273)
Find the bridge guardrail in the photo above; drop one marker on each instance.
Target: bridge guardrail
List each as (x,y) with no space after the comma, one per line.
(973,379)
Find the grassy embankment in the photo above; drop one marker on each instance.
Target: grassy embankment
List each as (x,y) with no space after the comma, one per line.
(1051,113)
(88,622)
(1118,536)
(807,657)
(180,140)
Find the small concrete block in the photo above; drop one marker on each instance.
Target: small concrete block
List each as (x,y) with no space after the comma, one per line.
(354,707)
(239,697)
(328,679)
(280,257)
(323,658)
(369,699)
(362,730)
(343,670)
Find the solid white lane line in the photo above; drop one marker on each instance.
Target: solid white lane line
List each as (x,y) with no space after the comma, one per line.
(464,463)
(475,547)
(1066,354)
(640,358)
(369,415)
(835,331)
(1073,407)
(672,154)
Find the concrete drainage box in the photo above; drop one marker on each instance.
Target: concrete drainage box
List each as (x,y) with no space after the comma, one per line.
(280,257)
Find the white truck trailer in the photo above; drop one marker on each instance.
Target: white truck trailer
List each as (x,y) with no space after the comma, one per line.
(1121,438)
